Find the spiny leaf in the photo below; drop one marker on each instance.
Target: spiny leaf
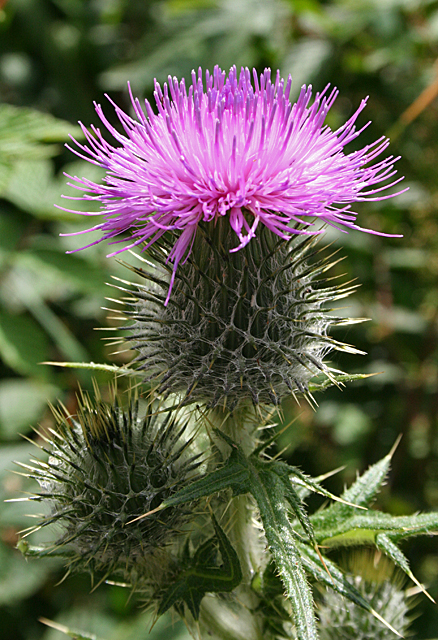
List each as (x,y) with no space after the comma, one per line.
(385,544)
(304,488)
(363,529)
(199,578)
(369,484)
(340,379)
(361,492)
(234,474)
(293,499)
(268,492)
(335,580)
(315,487)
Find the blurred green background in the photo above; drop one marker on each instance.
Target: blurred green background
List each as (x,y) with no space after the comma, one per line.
(56,57)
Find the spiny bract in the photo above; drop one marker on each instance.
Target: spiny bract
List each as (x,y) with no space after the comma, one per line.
(108,466)
(251,325)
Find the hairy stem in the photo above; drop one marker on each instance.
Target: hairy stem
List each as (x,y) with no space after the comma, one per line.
(240,521)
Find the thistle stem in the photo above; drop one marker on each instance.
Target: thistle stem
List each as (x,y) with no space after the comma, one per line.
(220,621)
(241,427)
(241,526)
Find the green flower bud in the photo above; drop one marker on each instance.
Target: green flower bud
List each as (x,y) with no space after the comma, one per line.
(382,587)
(342,620)
(247,325)
(108,466)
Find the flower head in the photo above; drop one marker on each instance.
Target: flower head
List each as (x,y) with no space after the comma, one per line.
(238,148)
(250,326)
(108,465)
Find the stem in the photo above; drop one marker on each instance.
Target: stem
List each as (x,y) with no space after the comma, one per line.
(240,517)
(241,426)
(224,620)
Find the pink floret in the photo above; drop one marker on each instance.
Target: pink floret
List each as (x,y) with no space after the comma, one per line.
(237,147)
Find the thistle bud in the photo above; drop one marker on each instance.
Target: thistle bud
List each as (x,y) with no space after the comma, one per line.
(247,325)
(341,619)
(108,466)
(381,585)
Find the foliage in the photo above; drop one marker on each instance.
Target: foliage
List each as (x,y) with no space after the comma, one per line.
(57,56)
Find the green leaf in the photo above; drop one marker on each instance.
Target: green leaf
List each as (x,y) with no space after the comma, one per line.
(33,187)
(25,134)
(367,486)
(305,485)
(282,471)
(25,286)
(107,626)
(342,525)
(361,493)
(363,529)
(330,575)
(23,344)
(31,298)
(22,128)
(60,269)
(268,491)
(338,525)
(18,579)
(313,486)
(203,575)
(385,544)
(234,474)
(22,403)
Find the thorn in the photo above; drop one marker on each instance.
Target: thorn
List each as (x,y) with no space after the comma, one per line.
(395,445)
(349,504)
(420,587)
(113,583)
(99,583)
(383,621)
(323,562)
(154,622)
(329,474)
(272,439)
(54,625)
(149,513)
(65,576)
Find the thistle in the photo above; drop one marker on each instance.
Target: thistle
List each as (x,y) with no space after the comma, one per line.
(107,465)
(246,326)
(237,150)
(223,187)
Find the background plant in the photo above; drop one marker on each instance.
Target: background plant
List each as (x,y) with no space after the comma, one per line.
(58,57)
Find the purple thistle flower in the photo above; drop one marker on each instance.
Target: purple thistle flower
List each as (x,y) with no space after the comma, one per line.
(233,149)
